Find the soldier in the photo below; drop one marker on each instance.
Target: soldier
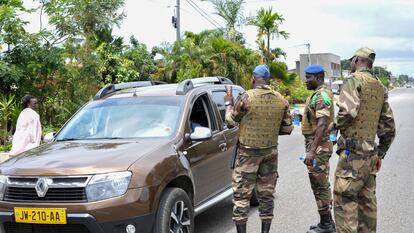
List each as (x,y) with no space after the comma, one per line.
(363,113)
(263,114)
(318,115)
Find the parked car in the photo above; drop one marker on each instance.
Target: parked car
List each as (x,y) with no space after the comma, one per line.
(408,86)
(139,157)
(336,86)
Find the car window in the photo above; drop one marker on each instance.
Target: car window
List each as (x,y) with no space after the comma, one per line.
(218,97)
(202,114)
(142,117)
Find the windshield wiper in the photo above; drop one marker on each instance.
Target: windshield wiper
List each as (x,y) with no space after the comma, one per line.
(104,138)
(74,139)
(67,139)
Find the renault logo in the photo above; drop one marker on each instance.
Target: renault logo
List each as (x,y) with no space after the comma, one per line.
(42,185)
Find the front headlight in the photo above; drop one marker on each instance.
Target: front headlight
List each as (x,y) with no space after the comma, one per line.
(3,180)
(105,186)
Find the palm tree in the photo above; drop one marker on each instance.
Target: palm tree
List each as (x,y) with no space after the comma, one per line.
(268,23)
(231,12)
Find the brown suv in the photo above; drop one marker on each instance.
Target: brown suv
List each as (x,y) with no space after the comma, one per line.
(140,157)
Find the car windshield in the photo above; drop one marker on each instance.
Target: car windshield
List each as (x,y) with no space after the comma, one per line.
(136,117)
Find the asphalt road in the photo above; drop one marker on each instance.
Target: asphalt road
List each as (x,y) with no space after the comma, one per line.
(295,208)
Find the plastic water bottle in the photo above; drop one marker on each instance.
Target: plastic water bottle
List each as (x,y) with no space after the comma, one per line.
(296,120)
(314,162)
(333,136)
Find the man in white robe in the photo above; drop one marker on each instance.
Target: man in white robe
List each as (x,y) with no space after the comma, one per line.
(28,129)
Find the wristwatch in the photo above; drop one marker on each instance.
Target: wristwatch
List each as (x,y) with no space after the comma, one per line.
(228,103)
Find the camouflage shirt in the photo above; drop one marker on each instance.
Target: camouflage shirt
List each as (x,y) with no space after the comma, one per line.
(241,108)
(349,103)
(321,104)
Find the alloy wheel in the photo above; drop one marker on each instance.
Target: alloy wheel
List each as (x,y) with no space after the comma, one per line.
(180,218)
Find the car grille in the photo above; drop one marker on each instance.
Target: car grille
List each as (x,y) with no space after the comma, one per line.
(44,228)
(19,194)
(55,189)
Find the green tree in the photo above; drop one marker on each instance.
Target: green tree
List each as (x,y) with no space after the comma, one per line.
(403,79)
(11,25)
(232,13)
(83,19)
(382,71)
(346,64)
(268,23)
(208,53)
(7,107)
(385,81)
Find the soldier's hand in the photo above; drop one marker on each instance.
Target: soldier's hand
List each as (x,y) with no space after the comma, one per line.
(229,89)
(229,94)
(310,156)
(330,127)
(379,164)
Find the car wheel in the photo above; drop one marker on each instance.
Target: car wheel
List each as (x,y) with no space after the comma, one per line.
(254,201)
(175,213)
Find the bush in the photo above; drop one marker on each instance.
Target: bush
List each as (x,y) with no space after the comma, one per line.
(5,148)
(294,91)
(385,81)
(49,128)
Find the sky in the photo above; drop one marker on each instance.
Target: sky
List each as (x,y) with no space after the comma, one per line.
(330,26)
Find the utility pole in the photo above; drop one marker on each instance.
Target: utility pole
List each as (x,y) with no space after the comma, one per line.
(178,20)
(307,46)
(309,59)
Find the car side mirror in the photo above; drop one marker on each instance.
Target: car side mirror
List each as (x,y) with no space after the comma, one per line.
(201,134)
(49,137)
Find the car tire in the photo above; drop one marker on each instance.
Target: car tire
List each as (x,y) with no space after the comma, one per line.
(254,201)
(175,212)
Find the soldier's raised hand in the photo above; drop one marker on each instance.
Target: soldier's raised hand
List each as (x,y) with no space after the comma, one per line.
(228,97)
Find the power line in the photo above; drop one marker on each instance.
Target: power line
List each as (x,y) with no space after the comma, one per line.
(201,9)
(203,14)
(259,1)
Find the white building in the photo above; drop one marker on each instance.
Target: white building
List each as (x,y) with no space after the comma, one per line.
(331,63)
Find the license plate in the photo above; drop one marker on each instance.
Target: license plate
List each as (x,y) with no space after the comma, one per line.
(40,215)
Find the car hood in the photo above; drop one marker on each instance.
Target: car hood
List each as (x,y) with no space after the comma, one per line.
(79,158)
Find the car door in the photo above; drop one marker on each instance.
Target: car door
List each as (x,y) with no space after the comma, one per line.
(205,156)
(229,133)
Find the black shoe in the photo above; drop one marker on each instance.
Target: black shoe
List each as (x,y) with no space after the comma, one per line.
(241,228)
(322,228)
(266,226)
(325,226)
(313,226)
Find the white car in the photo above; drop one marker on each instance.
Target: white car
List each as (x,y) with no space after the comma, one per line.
(336,86)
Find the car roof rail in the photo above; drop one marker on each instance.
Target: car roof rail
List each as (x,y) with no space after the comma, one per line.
(111,88)
(185,86)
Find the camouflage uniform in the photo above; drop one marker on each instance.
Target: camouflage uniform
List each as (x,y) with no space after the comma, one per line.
(363,113)
(263,114)
(319,105)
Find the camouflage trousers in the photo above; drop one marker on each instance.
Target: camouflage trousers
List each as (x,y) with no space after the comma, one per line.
(355,203)
(319,180)
(319,175)
(254,168)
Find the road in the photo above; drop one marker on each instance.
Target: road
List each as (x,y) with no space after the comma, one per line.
(295,208)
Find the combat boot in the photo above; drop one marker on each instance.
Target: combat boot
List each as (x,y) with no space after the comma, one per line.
(266,226)
(325,226)
(241,227)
